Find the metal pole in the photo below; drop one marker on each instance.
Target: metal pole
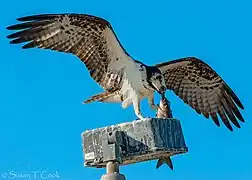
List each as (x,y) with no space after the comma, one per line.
(112,172)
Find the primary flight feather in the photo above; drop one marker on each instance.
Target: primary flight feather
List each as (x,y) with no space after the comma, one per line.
(124,79)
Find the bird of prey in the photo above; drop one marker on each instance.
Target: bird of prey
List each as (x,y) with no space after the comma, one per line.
(124,79)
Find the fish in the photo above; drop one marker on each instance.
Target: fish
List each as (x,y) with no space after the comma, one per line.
(164,111)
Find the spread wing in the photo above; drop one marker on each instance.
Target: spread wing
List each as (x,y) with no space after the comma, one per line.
(90,38)
(203,89)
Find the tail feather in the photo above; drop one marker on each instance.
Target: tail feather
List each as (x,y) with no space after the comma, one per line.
(101,97)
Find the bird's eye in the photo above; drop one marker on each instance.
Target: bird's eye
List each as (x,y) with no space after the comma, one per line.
(158,77)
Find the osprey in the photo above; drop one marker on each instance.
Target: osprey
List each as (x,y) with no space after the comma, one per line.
(124,79)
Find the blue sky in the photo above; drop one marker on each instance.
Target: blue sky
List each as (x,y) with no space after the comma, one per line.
(41,91)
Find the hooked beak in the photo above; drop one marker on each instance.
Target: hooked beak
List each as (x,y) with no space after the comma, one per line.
(162,92)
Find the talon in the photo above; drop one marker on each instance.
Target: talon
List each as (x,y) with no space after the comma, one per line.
(146,118)
(142,118)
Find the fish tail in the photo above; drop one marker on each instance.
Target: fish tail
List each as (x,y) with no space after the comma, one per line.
(164,160)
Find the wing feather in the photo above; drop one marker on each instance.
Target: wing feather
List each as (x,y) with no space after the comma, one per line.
(215,118)
(90,38)
(198,85)
(229,113)
(224,118)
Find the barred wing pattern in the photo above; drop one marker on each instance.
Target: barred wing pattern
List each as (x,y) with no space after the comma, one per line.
(203,89)
(90,38)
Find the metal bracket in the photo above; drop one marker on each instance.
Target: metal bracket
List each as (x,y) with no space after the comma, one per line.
(111,145)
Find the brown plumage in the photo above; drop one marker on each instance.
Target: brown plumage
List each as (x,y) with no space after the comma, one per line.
(93,40)
(90,38)
(105,96)
(199,86)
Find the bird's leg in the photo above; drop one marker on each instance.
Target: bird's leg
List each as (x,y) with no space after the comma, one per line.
(136,105)
(151,102)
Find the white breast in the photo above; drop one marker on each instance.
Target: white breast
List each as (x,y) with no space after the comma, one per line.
(132,84)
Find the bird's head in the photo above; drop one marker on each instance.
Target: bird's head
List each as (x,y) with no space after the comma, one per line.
(156,80)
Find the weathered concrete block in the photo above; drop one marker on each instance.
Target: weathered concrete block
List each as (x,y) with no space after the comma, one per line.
(137,141)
